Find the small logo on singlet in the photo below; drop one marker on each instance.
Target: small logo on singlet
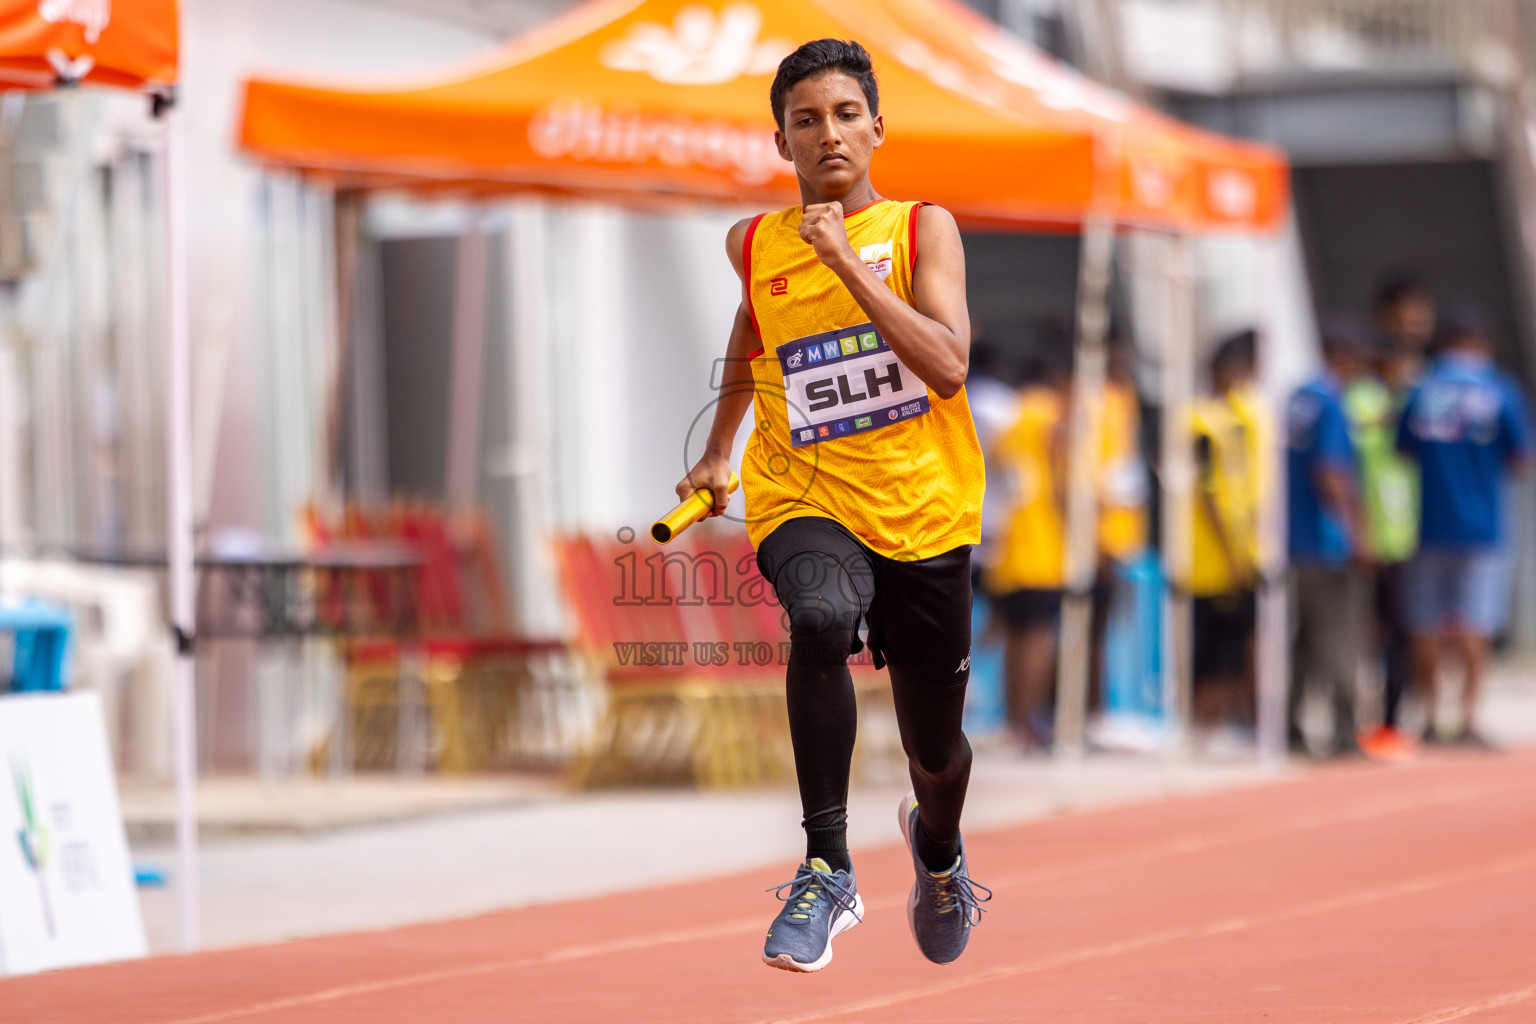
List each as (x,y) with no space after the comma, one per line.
(778,286)
(878,258)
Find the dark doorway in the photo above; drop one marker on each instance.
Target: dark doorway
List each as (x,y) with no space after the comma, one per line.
(1441,222)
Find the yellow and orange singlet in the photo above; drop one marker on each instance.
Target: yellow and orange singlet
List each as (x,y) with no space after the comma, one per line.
(843,429)
(1231,429)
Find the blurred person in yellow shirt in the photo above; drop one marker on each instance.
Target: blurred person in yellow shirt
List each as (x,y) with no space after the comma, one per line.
(1028,570)
(1122,500)
(1228,433)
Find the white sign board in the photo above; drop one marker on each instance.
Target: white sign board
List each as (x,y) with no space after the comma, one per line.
(66,885)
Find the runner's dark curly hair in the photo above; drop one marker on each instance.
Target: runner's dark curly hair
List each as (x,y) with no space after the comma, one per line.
(820,57)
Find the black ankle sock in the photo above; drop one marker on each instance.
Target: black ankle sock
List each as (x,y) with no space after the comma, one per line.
(936,855)
(831,845)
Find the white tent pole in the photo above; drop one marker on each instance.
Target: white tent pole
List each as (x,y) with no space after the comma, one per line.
(1085,439)
(1178,478)
(1272,646)
(1085,433)
(180,526)
(471,286)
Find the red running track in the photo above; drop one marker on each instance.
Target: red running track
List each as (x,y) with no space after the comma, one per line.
(1360,893)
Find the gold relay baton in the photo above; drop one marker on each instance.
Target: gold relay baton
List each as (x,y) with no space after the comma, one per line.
(688,511)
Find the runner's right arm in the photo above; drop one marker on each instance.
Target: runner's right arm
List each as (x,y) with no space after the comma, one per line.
(713,470)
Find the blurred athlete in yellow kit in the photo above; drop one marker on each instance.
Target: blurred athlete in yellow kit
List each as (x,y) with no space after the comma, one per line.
(863,483)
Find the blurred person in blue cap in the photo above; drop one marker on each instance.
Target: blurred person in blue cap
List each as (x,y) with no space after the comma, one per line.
(1468,427)
(1329,546)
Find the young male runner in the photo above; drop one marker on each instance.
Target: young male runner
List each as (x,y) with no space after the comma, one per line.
(863,483)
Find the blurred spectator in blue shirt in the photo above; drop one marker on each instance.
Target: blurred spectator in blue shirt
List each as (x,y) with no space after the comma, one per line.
(1327,544)
(1468,427)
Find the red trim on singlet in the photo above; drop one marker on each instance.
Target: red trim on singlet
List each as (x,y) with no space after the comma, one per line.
(746,275)
(912,238)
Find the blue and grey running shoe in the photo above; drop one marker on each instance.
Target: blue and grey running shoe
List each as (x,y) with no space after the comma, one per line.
(821,904)
(943,907)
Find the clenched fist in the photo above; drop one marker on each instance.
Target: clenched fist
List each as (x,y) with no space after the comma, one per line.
(822,226)
(714,472)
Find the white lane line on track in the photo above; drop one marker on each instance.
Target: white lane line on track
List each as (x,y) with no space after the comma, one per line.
(1458,1012)
(470,970)
(1228,926)
(1197,843)
(1192,844)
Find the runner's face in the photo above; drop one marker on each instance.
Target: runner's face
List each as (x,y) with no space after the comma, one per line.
(829,133)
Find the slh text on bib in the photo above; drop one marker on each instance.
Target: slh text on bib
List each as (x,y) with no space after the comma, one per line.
(845,382)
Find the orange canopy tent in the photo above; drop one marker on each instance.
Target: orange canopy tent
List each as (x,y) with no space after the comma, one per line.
(1160,169)
(135,44)
(129,44)
(640,100)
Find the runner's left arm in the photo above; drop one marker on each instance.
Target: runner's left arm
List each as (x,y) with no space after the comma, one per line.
(932,336)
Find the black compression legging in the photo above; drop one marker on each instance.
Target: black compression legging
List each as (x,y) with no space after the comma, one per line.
(919,617)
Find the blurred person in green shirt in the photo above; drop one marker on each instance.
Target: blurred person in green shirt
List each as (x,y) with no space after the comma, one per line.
(1389,490)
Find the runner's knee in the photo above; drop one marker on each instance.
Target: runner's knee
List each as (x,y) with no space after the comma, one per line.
(821,632)
(942,764)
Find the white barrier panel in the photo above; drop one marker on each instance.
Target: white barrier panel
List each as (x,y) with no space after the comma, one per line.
(66,886)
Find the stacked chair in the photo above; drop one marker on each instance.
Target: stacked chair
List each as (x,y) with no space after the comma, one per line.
(459,666)
(656,623)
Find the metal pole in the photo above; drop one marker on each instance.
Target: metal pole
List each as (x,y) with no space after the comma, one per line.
(1178,487)
(1086,429)
(470,288)
(1515,24)
(347,226)
(1272,649)
(180,527)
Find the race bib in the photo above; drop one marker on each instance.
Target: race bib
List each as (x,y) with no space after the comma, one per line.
(846,382)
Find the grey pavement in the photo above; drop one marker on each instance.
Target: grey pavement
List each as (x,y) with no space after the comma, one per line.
(455,848)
